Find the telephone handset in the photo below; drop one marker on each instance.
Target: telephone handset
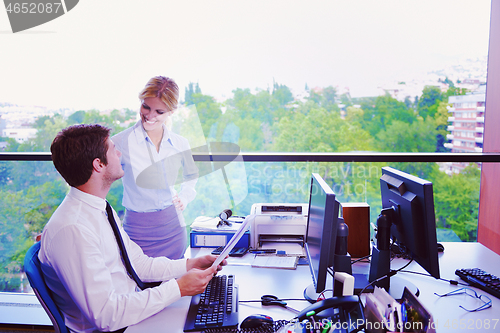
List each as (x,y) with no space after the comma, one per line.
(341,309)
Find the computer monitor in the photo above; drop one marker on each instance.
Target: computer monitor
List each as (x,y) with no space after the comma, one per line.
(321,233)
(407,220)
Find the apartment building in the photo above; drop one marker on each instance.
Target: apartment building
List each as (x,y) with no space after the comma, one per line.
(466,124)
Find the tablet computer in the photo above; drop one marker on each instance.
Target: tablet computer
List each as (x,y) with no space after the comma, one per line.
(232,242)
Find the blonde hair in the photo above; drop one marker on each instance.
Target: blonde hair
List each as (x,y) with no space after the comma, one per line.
(164,88)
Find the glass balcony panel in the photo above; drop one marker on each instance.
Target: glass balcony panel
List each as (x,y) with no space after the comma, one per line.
(32,190)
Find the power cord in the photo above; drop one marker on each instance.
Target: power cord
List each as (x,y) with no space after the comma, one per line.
(388,275)
(267,300)
(359,259)
(452,282)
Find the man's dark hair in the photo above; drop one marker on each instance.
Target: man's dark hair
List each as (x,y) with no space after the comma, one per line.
(75,148)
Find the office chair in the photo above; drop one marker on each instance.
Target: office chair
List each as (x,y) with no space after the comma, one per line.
(35,277)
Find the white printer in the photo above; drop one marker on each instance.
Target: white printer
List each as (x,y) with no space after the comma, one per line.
(281,226)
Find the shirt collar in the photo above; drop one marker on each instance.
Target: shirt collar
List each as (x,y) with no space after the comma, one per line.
(141,134)
(90,199)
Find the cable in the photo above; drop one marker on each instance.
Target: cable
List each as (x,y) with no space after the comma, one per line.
(321,295)
(388,275)
(282,299)
(453,282)
(359,259)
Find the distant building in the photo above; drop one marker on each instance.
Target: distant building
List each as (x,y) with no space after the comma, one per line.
(466,124)
(19,134)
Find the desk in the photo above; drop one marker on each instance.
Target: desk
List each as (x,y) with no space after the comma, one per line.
(255,282)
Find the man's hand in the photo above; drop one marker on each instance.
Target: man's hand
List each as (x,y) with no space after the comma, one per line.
(204,262)
(195,281)
(199,273)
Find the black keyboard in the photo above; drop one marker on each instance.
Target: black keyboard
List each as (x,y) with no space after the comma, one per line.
(216,307)
(480,279)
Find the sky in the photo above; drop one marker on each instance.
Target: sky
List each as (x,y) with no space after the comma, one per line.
(101,53)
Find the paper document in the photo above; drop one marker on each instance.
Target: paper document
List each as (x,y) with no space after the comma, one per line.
(273,261)
(204,223)
(291,249)
(237,235)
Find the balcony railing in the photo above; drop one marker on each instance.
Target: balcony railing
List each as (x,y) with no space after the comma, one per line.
(306,157)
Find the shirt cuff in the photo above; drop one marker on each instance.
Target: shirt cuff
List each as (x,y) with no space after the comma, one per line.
(171,291)
(180,266)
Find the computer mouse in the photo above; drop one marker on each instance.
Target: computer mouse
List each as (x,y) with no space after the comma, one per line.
(256,320)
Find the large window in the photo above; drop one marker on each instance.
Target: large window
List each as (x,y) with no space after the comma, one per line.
(270,77)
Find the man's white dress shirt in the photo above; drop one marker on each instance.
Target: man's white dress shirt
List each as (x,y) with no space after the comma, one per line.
(82,265)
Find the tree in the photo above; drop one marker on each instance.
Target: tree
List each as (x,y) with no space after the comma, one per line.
(282,94)
(409,104)
(354,114)
(189,91)
(5,170)
(441,118)
(247,133)
(455,202)
(386,109)
(24,214)
(346,99)
(315,129)
(429,101)
(46,132)
(209,111)
(76,118)
(454,91)
(325,98)
(420,136)
(329,98)
(449,82)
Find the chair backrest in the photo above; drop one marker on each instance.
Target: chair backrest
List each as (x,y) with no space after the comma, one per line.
(32,267)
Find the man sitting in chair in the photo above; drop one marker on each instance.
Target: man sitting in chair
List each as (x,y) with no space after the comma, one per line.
(81,259)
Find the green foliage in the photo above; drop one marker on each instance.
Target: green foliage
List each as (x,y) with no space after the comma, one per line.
(77,118)
(319,130)
(5,170)
(190,90)
(325,98)
(379,116)
(12,144)
(354,115)
(419,136)
(209,111)
(429,101)
(24,214)
(454,91)
(282,94)
(115,196)
(346,99)
(456,202)
(46,132)
(260,121)
(441,118)
(261,106)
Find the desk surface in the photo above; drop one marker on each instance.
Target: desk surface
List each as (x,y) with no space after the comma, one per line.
(255,282)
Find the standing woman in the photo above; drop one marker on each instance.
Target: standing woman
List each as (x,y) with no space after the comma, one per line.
(151,158)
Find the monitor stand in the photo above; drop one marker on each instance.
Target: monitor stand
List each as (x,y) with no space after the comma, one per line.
(311,295)
(396,286)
